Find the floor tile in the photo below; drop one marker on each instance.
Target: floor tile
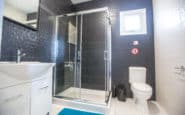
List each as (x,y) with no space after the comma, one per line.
(123,108)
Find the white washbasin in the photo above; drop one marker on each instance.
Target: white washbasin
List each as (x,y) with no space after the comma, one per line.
(25,70)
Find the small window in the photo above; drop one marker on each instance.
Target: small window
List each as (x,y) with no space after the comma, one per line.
(133,22)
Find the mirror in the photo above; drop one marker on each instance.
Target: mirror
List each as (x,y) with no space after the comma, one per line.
(24,12)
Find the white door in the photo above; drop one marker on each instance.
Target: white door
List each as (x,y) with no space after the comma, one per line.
(41,97)
(15,100)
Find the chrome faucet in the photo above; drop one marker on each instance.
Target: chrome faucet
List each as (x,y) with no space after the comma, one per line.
(19,55)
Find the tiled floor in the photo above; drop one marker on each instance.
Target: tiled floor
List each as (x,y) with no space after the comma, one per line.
(94,96)
(123,108)
(129,108)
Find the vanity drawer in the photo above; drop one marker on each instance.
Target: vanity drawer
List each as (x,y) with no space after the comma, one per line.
(15,100)
(41,97)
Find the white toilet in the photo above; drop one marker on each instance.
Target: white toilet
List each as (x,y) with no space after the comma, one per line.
(141,91)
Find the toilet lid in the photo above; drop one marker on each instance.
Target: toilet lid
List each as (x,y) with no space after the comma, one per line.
(142,87)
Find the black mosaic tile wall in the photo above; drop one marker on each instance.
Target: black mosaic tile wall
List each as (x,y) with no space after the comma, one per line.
(121,45)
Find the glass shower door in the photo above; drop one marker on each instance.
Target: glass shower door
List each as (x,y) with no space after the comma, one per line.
(84,64)
(94,58)
(67,81)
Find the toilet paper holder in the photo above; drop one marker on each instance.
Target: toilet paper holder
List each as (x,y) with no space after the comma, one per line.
(180,70)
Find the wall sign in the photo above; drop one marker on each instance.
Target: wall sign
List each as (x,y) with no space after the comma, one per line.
(135,51)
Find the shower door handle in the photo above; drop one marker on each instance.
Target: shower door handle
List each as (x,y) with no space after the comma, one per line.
(69,65)
(78,55)
(105,55)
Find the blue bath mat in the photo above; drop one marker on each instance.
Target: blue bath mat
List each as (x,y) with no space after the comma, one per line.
(76,112)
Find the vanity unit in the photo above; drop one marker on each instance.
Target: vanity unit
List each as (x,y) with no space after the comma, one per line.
(25,88)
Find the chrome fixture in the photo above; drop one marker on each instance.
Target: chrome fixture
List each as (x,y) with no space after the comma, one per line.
(180,71)
(19,55)
(69,65)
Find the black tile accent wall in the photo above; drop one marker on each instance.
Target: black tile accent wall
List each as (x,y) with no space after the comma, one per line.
(18,37)
(121,46)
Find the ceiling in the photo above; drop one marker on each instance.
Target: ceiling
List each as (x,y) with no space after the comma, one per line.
(79,1)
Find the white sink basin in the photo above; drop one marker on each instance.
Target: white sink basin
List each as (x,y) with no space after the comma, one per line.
(25,70)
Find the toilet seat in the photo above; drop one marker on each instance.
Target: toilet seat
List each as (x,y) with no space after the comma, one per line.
(142,87)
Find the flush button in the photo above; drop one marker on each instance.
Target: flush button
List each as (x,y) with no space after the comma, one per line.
(135,43)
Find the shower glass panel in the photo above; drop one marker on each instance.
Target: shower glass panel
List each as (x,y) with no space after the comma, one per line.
(67,83)
(85,70)
(93,64)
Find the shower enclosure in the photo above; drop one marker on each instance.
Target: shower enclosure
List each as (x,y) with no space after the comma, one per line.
(85,63)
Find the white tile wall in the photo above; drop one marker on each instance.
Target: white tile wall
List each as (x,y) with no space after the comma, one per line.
(169,25)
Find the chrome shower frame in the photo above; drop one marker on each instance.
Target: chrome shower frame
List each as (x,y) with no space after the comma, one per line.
(107,52)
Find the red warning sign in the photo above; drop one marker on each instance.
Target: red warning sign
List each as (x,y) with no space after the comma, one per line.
(135,51)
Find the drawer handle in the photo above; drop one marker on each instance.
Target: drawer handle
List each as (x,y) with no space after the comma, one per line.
(13,98)
(105,55)
(44,88)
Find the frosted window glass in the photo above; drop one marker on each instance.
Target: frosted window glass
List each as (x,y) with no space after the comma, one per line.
(133,22)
